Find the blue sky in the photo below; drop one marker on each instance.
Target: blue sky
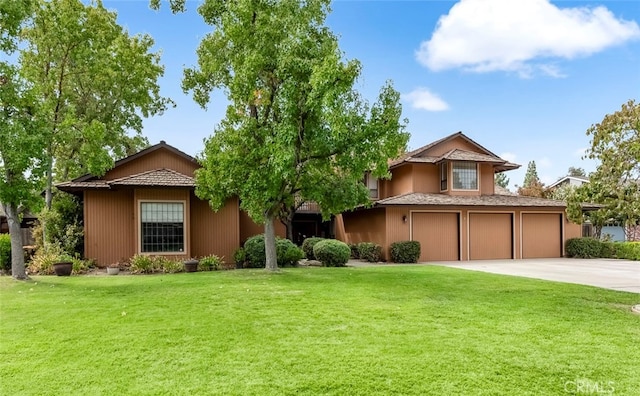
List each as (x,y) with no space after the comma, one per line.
(523,78)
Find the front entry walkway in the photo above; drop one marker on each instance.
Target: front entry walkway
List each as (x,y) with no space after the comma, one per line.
(612,274)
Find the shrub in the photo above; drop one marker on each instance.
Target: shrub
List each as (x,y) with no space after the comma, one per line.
(332,253)
(239,256)
(211,263)
(43,260)
(583,247)
(627,250)
(142,264)
(5,252)
(370,251)
(405,252)
(167,265)
(354,250)
(287,253)
(254,250)
(80,266)
(307,246)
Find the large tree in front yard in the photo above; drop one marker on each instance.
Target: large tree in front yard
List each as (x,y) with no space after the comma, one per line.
(21,135)
(95,83)
(295,128)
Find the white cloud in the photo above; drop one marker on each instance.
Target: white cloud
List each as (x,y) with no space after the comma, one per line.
(511,157)
(507,35)
(422,98)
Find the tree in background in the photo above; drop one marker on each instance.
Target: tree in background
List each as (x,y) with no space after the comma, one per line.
(95,83)
(502,180)
(532,185)
(295,128)
(616,181)
(576,172)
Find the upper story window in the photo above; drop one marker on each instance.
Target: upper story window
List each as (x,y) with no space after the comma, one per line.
(444,173)
(465,176)
(162,227)
(372,184)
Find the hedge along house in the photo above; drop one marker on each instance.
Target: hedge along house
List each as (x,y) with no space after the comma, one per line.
(443,195)
(146,205)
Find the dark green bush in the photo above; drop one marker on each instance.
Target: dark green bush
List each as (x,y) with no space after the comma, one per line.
(332,253)
(307,246)
(5,252)
(354,250)
(287,253)
(370,251)
(583,247)
(405,252)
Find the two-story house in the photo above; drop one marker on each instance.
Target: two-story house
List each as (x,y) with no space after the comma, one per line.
(443,195)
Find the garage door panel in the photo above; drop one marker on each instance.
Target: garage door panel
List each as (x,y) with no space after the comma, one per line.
(438,234)
(541,235)
(490,236)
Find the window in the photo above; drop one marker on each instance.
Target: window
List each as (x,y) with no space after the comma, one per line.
(372,184)
(444,172)
(465,176)
(162,227)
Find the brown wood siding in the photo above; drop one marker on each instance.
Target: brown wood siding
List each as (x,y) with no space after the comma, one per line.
(490,236)
(426,178)
(444,147)
(366,226)
(541,235)
(214,232)
(397,228)
(161,158)
(249,228)
(153,194)
(401,180)
(487,179)
(109,226)
(438,234)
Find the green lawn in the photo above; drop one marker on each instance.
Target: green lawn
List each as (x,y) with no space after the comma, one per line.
(345,331)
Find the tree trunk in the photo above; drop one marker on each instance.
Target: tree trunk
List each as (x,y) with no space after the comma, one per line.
(288,224)
(17,254)
(270,243)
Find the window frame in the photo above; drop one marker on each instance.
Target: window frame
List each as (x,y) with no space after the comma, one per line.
(367,178)
(444,175)
(477,170)
(184,226)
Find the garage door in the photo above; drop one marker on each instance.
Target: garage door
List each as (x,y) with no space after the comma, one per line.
(490,236)
(541,235)
(438,234)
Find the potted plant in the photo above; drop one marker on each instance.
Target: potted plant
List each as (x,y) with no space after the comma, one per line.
(239,256)
(191,265)
(63,265)
(113,269)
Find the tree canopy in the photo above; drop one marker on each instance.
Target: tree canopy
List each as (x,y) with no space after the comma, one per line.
(295,128)
(502,180)
(616,182)
(79,85)
(532,185)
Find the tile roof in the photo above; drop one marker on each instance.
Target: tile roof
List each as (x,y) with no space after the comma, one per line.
(153,178)
(465,200)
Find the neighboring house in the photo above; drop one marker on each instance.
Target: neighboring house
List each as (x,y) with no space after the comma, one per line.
(569,181)
(443,195)
(26,227)
(614,230)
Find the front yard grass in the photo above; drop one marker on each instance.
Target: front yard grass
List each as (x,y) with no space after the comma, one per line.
(422,330)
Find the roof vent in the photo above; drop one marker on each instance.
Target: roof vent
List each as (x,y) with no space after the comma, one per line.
(163,142)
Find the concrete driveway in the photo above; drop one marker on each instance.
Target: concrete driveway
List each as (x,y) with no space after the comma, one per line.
(606,273)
